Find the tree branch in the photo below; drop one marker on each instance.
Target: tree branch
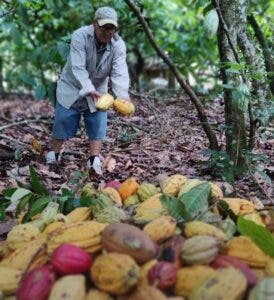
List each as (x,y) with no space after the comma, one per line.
(184,85)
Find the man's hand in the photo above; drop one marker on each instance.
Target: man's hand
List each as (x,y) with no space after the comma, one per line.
(95,95)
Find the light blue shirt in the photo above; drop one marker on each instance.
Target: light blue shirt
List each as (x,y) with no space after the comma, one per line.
(80,75)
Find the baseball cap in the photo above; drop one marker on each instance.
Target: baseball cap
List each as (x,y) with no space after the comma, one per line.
(106,15)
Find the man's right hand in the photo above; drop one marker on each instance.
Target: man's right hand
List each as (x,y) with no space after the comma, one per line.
(95,95)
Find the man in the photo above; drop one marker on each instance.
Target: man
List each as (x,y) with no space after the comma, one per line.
(97,55)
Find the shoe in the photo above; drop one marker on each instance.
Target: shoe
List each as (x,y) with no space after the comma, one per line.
(96,166)
(51,157)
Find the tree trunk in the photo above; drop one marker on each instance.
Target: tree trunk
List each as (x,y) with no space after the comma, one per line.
(269,65)
(236,138)
(2,91)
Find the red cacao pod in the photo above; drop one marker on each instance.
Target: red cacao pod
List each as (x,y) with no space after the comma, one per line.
(170,251)
(162,275)
(70,259)
(223,261)
(36,284)
(114,184)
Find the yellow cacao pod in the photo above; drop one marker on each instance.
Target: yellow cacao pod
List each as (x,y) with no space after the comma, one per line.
(9,279)
(31,255)
(200,249)
(161,228)
(21,234)
(94,294)
(171,185)
(128,188)
(149,210)
(224,284)
(269,268)
(115,273)
(243,248)
(240,206)
(113,194)
(52,226)
(146,190)
(145,292)
(104,102)
(188,185)
(86,235)
(255,217)
(190,278)
(69,287)
(216,192)
(124,107)
(80,214)
(201,228)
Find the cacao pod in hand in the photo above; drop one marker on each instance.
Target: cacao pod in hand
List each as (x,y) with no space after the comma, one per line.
(104,102)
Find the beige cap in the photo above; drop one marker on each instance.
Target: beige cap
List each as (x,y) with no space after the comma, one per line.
(106,15)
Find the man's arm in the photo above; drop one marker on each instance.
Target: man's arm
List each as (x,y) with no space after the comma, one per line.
(78,66)
(119,73)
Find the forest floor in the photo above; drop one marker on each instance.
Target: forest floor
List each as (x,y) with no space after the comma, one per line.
(161,138)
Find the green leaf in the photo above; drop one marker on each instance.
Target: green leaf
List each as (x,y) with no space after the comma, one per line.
(35,183)
(27,78)
(2,213)
(40,92)
(19,194)
(8,192)
(225,211)
(22,204)
(175,208)
(63,49)
(196,200)
(262,237)
(36,208)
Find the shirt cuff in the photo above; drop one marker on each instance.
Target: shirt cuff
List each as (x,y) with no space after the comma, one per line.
(86,90)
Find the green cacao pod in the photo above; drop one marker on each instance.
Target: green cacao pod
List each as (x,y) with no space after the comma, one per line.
(147,190)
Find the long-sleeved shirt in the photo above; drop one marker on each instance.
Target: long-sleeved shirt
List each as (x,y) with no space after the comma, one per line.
(80,75)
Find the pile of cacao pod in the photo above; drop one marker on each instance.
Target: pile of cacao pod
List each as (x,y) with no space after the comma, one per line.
(126,246)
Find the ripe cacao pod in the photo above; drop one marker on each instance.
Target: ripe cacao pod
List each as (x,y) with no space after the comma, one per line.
(79,214)
(223,261)
(171,185)
(104,102)
(36,284)
(162,275)
(200,249)
(69,259)
(94,294)
(114,184)
(224,284)
(124,107)
(170,250)
(145,292)
(146,190)
(69,287)
(129,239)
(112,193)
(190,278)
(161,228)
(195,228)
(128,188)
(115,273)
(9,280)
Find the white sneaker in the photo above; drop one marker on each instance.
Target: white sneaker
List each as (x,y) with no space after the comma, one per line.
(96,165)
(51,157)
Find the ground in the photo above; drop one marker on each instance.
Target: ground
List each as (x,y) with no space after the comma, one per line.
(163,137)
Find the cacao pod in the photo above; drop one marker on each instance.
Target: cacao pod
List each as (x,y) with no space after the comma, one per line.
(190,278)
(162,275)
(113,184)
(223,261)
(94,294)
(240,206)
(128,188)
(132,200)
(124,107)
(149,210)
(200,249)
(21,234)
(104,102)
(216,192)
(194,228)
(115,273)
(69,287)
(188,185)
(171,185)
(244,249)
(113,194)
(223,284)
(146,190)
(69,259)
(36,284)
(111,214)
(128,239)
(9,279)
(145,292)
(161,228)
(264,290)
(79,214)
(144,269)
